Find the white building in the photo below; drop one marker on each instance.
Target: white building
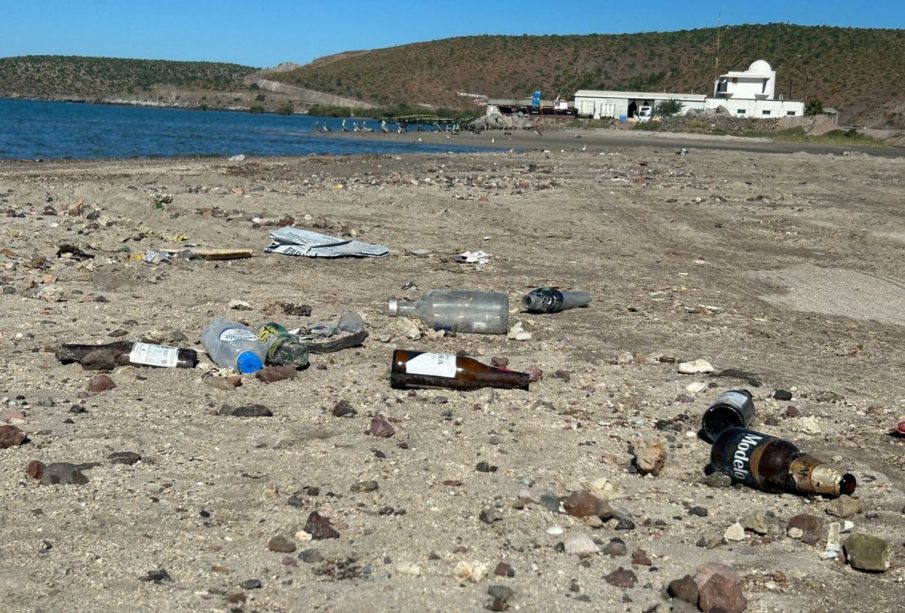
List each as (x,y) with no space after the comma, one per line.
(624,105)
(748,93)
(752,93)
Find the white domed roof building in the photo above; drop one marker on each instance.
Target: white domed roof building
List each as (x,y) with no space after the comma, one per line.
(752,93)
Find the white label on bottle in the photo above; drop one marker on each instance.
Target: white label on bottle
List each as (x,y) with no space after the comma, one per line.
(154,355)
(237,334)
(432,364)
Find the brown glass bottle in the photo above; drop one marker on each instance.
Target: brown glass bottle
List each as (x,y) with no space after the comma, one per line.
(123,353)
(417,369)
(771,464)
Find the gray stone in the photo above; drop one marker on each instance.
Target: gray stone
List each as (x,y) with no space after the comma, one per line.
(281,544)
(616,547)
(684,589)
(755,522)
(621,578)
(845,507)
(63,473)
(866,552)
(813,528)
(248,410)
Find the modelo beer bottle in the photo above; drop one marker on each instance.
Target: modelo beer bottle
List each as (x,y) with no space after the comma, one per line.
(771,464)
(416,369)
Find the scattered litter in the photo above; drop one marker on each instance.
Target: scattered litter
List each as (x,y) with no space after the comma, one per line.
(473,257)
(237,158)
(327,338)
(299,242)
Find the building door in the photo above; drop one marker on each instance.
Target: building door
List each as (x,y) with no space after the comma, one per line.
(632,109)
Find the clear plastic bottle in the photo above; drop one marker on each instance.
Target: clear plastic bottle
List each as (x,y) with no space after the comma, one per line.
(283,348)
(232,345)
(552,300)
(458,311)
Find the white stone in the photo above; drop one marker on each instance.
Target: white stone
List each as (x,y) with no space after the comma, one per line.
(581,544)
(517,332)
(795,533)
(409,569)
(735,532)
(470,571)
(555,530)
(696,386)
(696,367)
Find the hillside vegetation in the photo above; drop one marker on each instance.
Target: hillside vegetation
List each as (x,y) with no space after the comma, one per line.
(860,72)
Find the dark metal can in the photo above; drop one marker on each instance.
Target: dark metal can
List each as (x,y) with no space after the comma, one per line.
(731,409)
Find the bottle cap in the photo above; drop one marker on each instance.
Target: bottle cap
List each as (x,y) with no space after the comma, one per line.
(248,362)
(393,308)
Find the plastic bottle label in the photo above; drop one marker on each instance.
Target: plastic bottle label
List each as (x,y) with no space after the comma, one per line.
(231,335)
(432,364)
(154,355)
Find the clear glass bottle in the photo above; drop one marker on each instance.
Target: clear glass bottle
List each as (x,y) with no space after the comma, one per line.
(417,369)
(771,464)
(458,311)
(283,348)
(232,345)
(552,300)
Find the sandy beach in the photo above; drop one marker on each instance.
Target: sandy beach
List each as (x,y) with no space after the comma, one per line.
(782,270)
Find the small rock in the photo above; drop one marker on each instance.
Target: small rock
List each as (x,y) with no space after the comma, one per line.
(157,576)
(535,373)
(236,598)
(735,532)
(100,359)
(14,416)
(695,387)
(484,467)
(616,547)
(813,528)
(409,569)
(555,530)
(499,362)
(11,436)
(35,469)
(696,367)
(624,523)
(621,578)
(124,457)
(792,411)
(698,511)
(504,569)
(581,544)
(755,522)
(319,527)
(650,456)
(869,553)
(100,383)
(640,558)
(782,395)
(489,516)
(583,504)
(272,374)
(63,473)
(365,486)
(248,410)
(251,584)
(845,506)
(343,409)
(239,305)
(717,479)
(500,597)
(722,593)
(226,384)
(311,556)
(380,427)
(517,332)
(470,571)
(281,544)
(684,589)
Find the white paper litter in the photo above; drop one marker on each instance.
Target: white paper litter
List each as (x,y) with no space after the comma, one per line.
(296,241)
(473,257)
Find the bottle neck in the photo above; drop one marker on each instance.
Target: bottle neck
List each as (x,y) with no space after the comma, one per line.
(405,308)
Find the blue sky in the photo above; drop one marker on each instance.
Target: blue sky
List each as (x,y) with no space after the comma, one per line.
(264,33)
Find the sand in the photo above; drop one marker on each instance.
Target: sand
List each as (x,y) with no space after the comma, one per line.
(779,265)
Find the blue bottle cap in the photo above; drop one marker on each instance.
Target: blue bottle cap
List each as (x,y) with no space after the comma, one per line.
(248,362)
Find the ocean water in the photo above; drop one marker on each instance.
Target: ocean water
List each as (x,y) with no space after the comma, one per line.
(32,129)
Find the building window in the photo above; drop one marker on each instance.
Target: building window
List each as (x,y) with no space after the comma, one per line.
(790,113)
(735,79)
(765,112)
(740,111)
